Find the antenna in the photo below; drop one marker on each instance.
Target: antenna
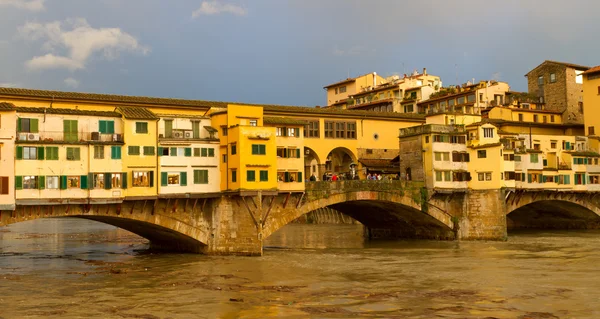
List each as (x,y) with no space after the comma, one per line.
(456,70)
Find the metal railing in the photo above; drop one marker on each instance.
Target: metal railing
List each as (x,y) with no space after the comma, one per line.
(53,136)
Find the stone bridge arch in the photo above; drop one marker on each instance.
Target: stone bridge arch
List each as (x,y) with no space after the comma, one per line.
(162,222)
(388,209)
(552,210)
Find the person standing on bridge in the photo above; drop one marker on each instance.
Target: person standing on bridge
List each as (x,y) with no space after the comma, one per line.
(313,178)
(334,178)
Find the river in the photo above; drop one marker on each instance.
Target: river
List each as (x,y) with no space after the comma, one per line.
(70,268)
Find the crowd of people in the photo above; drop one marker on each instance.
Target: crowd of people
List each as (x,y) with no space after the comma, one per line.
(347,176)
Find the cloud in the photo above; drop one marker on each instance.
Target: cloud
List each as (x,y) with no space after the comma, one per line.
(32,5)
(77,41)
(8,84)
(213,7)
(71,82)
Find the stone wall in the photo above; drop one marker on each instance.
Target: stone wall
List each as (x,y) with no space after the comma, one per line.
(411,156)
(483,216)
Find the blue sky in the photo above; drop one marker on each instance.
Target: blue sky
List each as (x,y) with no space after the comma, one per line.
(281,52)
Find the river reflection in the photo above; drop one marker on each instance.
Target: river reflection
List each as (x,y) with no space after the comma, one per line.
(75,268)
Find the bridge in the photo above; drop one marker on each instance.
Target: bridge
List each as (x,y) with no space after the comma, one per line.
(237,223)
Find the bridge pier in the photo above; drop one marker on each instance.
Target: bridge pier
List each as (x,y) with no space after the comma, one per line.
(483,215)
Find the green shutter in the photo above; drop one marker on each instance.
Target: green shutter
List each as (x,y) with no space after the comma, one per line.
(163,179)
(285,153)
(41,182)
(211,152)
(160,151)
(583,178)
(110,127)
(254,149)
(18,182)
(297,153)
(107,181)
(285,132)
(188,151)
(151,178)
(173,151)
(83,182)
(262,149)
(40,153)
(297,130)
(19,125)
(204,152)
(529,178)
(124,180)
(63,182)
(196,176)
(33,125)
(19,152)
(102,127)
(300,177)
(90,180)
(286,177)
(183,178)
(196,129)
(168,128)
(77,153)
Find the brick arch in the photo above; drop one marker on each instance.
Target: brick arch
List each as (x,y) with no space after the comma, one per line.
(552,210)
(385,203)
(163,231)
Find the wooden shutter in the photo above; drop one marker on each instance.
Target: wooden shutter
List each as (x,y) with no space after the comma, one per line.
(4,185)
(173,151)
(18,182)
(164,179)
(188,151)
(33,125)
(41,182)
(107,181)
(297,153)
(160,151)
(183,178)
(300,177)
(19,152)
(102,127)
(63,182)
(40,153)
(124,180)
(110,127)
(151,178)
(211,152)
(83,182)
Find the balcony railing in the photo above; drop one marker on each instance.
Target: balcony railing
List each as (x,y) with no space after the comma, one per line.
(50,136)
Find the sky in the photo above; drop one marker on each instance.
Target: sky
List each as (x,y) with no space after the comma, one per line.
(282,52)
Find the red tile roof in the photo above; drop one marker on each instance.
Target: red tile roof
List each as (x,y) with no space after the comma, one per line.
(592,70)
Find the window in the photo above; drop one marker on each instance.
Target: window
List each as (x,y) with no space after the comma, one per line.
(224,131)
(544,119)
(312,129)
(224,158)
(481,154)
(117,180)
(98,151)
(438,176)
(30,182)
(461,100)
(233,176)
(27,125)
(148,150)
(250,176)
(426,139)
(342,89)
(115,152)
(196,152)
(200,176)
(3,185)
(535,117)
(486,176)
(520,117)
(409,108)
(552,77)
(551,118)
(541,80)
(234,149)
(447,176)
(437,156)
(168,128)
(133,150)
(488,132)
(553,144)
(339,129)
(142,179)
(73,181)
(98,181)
(279,131)
(293,132)
(329,129)
(73,153)
(591,130)
(172,178)
(533,158)
(70,130)
(28,152)
(141,127)
(351,130)
(106,127)
(579,178)
(264,176)
(51,182)
(253,122)
(259,149)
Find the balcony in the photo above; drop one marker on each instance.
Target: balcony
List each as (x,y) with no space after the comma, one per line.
(49,137)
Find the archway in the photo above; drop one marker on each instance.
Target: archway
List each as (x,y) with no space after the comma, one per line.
(552,214)
(339,162)
(312,163)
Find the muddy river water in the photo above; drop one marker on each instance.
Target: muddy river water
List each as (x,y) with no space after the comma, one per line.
(70,268)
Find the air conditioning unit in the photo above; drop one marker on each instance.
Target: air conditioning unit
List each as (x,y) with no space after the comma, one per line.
(33,137)
(95,136)
(188,134)
(22,136)
(178,134)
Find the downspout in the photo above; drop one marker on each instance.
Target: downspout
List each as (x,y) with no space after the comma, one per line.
(157,160)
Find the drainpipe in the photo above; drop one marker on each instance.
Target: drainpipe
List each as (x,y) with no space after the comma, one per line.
(157,160)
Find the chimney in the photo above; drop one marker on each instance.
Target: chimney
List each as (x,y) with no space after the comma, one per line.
(374,79)
(424,71)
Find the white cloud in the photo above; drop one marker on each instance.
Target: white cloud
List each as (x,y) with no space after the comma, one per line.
(71,82)
(78,41)
(8,84)
(32,5)
(213,7)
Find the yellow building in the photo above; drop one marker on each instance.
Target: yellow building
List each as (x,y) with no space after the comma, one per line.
(591,100)
(466,99)
(248,149)
(8,120)
(339,92)
(289,138)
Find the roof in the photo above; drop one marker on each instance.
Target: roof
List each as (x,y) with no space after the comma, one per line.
(187,116)
(53,110)
(282,120)
(592,70)
(346,80)
(210,129)
(345,113)
(484,145)
(137,113)
(569,65)
(586,154)
(4,106)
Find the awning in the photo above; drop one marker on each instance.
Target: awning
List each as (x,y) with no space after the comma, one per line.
(380,164)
